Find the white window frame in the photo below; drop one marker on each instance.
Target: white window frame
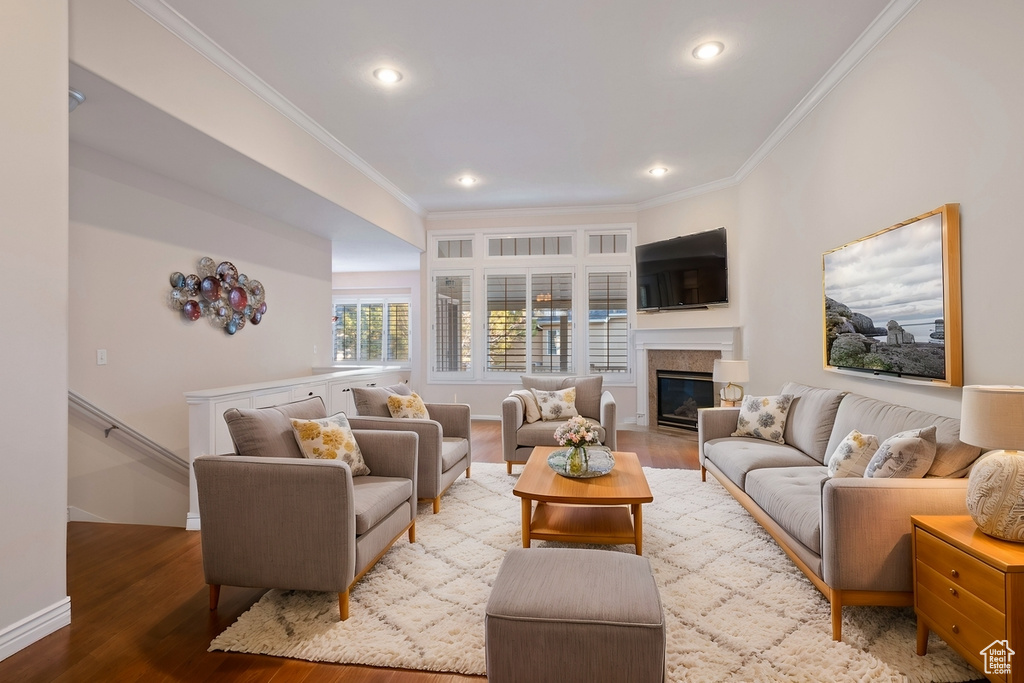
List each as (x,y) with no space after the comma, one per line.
(463,376)
(386,301)
(580,263)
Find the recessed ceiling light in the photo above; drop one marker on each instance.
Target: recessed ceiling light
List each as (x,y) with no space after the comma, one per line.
(708,50)
(467,180)
(660,170)
(387,75)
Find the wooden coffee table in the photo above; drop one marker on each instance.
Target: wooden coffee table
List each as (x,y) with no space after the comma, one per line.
(583,510)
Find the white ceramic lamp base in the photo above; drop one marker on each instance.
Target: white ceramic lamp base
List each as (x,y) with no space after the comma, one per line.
(995,495)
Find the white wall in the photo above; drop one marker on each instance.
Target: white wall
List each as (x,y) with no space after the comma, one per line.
(929,117)
(33,332)
(116,40)
(704,212)
(130,229)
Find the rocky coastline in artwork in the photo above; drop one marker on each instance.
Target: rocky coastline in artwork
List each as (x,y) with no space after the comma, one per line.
(854,341)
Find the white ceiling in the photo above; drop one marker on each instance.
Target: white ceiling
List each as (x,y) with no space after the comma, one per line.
(550,103)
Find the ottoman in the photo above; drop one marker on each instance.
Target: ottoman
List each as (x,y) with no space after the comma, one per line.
(570,614)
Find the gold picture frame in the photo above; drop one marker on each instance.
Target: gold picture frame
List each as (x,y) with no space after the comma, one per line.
(891,304)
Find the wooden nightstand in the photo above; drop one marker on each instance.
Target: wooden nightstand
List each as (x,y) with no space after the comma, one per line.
(969,589)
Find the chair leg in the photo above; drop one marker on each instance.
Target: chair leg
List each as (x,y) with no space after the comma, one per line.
(437,505)
(343,605)
(412,532)
(214,596)
(703,473)
(467,471)
(508,466)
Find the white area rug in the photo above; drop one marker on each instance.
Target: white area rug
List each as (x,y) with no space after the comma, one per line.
(736,608)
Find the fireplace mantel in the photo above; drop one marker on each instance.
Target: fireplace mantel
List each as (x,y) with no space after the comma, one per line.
(722,339)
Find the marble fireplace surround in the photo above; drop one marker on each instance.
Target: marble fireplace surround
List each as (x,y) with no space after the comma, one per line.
(693,349)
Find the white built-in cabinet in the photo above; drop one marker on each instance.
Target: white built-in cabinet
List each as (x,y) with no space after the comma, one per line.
(208,433)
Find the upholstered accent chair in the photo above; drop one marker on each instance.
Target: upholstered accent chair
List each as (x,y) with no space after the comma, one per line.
(444,446)
(274,519)
(518,436)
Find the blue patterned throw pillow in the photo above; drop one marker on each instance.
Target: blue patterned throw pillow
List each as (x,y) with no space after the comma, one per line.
(764,417)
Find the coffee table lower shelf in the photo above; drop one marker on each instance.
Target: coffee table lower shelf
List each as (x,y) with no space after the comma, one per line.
(601,525)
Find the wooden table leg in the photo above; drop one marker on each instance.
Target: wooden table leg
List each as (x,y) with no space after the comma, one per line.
(922,637)
(527,518)
(638,528)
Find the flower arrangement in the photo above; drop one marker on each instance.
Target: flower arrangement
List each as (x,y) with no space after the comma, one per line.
(577,432)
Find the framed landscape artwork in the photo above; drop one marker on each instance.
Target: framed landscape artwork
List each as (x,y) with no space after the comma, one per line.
(892,302)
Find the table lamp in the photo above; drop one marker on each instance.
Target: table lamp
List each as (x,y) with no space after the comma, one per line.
(729,372)
(993,417)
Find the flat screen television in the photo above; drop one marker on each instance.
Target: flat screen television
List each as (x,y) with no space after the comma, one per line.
(691,271)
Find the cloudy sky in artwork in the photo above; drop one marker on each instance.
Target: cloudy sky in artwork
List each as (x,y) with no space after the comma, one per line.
(896,275)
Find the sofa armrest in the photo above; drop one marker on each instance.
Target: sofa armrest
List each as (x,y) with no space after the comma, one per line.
(608,419)
(390,453)
(276,522)
(865,528)
(714,423)
(512,417)
(455,418)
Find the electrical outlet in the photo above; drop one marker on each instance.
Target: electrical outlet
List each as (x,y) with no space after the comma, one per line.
(101,356)
(314,349)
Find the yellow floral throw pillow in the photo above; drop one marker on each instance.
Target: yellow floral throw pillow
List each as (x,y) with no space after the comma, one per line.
(330,439)
(408,406)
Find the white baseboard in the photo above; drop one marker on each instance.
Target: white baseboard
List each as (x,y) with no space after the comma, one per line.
(21,634)
(492,418)
(192,521)
(80,515)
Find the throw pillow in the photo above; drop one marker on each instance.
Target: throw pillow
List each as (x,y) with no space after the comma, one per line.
(764,417)
(906,455)
(330,439)
(556,405)
(853,454)
(410,407)
(531,410)
(373,401)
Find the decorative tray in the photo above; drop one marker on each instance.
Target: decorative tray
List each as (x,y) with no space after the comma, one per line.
(599,458)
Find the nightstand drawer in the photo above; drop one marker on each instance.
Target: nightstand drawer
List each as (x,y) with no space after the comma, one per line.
(962,600)
(965,635)
(964,571)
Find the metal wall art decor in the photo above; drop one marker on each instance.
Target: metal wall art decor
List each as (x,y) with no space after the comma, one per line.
(219,293)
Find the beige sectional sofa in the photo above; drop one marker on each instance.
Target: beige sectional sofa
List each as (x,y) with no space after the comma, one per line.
(850,536)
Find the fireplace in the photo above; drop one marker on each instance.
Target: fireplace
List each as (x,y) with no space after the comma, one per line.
(679,396)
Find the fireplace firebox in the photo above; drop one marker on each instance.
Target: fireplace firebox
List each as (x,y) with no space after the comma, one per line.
(680,394)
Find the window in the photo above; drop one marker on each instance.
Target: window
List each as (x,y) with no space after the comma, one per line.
(530,246)
(371,331)
(551,295)
(452,323)
(454,248)
(608,244)
(506,323)
(511,301)
(608,322)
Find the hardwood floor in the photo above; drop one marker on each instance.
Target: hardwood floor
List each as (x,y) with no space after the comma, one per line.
(140,609)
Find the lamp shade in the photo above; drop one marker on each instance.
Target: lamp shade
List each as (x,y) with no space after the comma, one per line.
(731,371)
(992,417)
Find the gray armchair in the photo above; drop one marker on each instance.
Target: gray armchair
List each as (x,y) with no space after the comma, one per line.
(444,446)
(291,523)
(518,437)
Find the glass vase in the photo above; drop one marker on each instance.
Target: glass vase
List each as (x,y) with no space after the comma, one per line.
(576,462)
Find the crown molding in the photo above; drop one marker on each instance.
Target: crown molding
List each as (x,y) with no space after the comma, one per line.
(524,212)
(181,27)
(170,19)
(885,22)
